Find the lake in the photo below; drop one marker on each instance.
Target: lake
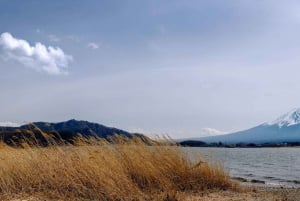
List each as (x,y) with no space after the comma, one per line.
(274,166)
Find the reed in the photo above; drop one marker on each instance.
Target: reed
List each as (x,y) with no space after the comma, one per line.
(93,169)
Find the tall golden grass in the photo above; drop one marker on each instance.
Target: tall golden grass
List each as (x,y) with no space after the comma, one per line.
(97,170)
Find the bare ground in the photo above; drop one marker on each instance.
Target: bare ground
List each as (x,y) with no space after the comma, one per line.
(247,194)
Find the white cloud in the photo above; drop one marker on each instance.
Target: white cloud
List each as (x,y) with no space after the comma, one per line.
(211,132)
(73,38)
(9,124)
(93,45)
(53,38)
(195,135)
(51,60)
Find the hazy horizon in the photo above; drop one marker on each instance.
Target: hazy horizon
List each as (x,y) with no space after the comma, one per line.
(164,67)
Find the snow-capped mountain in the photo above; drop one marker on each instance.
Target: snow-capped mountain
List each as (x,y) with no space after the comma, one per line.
(288,119)
(286,128)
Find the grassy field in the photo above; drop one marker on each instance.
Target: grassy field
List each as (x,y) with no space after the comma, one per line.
(96,170)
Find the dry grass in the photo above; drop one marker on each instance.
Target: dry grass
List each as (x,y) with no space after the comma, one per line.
(95,170)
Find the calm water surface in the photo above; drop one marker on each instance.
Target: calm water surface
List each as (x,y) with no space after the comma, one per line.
(274,166)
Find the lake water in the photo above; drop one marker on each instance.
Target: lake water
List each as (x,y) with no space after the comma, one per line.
(274,166)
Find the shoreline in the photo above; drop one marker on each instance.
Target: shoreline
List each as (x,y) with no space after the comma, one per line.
(266,184)
(255,194)
(243,193)
(250,192)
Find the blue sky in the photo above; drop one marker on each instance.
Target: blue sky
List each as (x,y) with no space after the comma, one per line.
(161,66)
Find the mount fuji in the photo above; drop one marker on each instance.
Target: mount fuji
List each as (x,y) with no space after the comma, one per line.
(286,128)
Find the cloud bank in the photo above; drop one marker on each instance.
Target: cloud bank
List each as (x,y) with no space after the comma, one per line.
(39,57)
(9,124)
(93,46)
(211,132)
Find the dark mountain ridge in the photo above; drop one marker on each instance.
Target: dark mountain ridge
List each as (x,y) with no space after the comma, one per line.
(67,131)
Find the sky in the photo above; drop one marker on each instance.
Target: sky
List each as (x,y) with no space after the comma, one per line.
(158,67)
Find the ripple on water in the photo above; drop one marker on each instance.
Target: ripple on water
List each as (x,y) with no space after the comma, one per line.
(274,166)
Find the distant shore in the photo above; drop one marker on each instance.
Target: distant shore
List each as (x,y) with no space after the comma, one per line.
(196,143)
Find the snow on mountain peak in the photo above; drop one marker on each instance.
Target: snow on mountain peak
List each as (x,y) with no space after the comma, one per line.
(288,119)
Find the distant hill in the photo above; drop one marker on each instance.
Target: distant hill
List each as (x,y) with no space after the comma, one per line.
(284,129)
(66,131)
